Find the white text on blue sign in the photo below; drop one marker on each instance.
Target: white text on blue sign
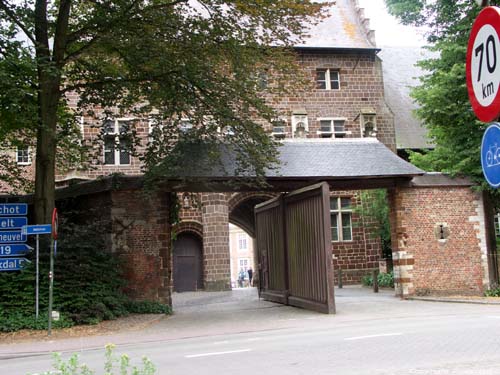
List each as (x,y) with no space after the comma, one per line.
(15,209)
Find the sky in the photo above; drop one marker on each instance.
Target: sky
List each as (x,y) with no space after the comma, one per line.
(388,32)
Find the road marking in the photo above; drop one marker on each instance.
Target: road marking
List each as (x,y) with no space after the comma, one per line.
(372,336)
(217,353)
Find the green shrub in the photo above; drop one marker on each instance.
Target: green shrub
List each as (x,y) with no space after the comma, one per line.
(493,292)
(17,321)
(385,280)
(112,365)
(88,283)
(147,307)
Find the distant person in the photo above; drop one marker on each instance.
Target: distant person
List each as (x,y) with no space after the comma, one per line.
(250,276)
(241,277)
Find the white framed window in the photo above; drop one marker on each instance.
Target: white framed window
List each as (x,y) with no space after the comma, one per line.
(332,127)
(242,241)
(23,155)
(116,142)
(341,219)
(279,128)
(497,224)
(300,125)
(327,79)
(244,263)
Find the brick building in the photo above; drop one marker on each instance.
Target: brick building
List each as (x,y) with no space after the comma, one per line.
(344,106)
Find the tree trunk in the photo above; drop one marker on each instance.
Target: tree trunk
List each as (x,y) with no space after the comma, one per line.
(49,96)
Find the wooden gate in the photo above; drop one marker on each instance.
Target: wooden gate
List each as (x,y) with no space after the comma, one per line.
(294,249)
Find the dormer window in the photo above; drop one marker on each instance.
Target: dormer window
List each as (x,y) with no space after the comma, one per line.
(300,124)
(332,127)
(327,79)
(368,118)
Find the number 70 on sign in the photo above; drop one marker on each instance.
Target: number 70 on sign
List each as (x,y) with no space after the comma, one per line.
(483,65)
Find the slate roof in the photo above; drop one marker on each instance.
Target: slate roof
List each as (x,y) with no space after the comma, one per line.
(345,27)
(400,74)
(304,158)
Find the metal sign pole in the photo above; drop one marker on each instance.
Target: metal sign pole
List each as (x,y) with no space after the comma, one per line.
(37,277)
(51,284)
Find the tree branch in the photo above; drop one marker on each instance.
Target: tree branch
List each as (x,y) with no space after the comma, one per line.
(5,7)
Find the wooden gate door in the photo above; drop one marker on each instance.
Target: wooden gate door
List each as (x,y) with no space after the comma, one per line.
(271,250)
(294,248)
(188,271)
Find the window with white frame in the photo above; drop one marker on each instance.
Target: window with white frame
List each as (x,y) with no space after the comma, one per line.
(242,241)
(23,156)
(497,225)
(279,128)
(332,127)
(244,263)
(341,218)
(327,79)
(116,142)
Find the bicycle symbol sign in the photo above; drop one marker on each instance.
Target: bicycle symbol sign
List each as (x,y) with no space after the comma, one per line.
(490,154)
(483,65)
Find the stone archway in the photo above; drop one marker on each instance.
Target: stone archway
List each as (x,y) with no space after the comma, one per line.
(241,206)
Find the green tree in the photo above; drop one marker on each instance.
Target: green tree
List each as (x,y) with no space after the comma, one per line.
(442,96)
(202,58)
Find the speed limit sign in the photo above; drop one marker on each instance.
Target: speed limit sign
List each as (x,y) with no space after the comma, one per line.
(483,65)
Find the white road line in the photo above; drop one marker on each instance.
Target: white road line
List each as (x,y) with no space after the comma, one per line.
(372,336)
(217,353)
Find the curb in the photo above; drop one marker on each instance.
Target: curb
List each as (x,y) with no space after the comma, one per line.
(454,300)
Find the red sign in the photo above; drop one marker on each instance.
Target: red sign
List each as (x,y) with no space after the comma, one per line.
(483,65)
(55,222)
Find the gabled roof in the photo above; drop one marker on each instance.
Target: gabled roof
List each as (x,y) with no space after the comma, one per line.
(344,28)
(400,75)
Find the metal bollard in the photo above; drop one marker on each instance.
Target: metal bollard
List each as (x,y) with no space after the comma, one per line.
(340,278)
(375,281)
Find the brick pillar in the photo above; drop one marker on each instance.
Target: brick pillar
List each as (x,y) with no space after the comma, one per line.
(216,256)
(141,235)
(403,259)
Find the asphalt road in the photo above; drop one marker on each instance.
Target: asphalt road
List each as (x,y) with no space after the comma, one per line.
(371,334)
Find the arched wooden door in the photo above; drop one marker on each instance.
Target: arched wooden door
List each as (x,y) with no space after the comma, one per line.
(188,263)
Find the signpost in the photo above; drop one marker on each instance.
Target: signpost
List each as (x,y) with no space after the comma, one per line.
(483,65)
(490,154)
(37,229)
(14,249)
(12,264)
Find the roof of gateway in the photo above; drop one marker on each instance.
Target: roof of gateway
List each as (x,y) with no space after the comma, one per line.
(345,27)
(308,158)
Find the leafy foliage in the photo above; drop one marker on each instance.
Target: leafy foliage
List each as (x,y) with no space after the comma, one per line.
(385,280)
(87,284)
(442,96)
(375,212)
(168,59)
(493,292)
(73,366)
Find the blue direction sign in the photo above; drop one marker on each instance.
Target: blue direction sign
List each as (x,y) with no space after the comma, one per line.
(14,249)
(13,209)
(490,154)
(12,222)
(12,237)
(12,264)
(37,229)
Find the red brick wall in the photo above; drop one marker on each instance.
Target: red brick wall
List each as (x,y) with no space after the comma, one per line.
(423,264)
(141,235)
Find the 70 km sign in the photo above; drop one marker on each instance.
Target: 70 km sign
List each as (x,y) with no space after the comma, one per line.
(483,65)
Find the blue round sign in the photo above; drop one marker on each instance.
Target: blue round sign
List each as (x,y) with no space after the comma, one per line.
(490,154)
